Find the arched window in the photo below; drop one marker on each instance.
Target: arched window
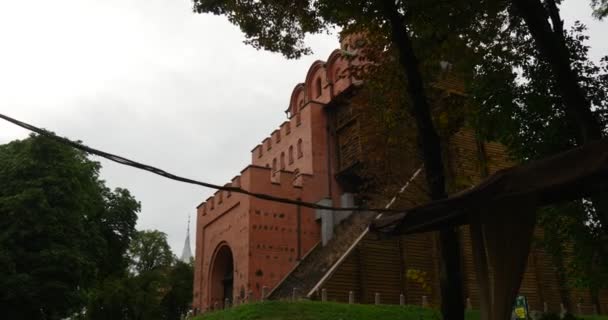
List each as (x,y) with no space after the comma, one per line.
(300,153)
(274,165)
(290,155)
(282,160)
(337,76)
(318,87)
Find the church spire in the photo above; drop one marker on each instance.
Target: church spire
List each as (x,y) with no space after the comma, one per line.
(187,253)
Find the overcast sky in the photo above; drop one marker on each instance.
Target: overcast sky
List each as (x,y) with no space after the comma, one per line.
(154,82)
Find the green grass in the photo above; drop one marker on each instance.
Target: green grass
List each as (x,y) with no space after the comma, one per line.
(309,310)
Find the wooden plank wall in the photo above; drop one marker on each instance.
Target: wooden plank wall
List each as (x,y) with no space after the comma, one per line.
(380,265)
(603,297)
(375,266)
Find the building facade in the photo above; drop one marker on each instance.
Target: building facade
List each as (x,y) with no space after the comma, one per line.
(244,244)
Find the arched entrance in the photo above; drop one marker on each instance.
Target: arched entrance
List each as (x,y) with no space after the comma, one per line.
(221,278)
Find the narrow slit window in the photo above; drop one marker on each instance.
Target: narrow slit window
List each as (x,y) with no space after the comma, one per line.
(300,153)
(282,160)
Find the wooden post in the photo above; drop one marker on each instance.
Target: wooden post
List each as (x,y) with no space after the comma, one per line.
(579,308)
(545,307)
(216,306)
(402,299)
(264,293)
(562,310)
(351,297)
(250,296)
(377,298)
(469,304)
(226,303)
(425,302)
(294,295)
(323,295)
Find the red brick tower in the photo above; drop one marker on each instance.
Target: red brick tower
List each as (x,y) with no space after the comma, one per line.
(244,244)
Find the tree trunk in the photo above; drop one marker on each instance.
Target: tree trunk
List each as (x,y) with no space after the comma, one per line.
(452,301)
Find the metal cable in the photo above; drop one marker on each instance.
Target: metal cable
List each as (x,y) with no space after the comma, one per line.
(163,173)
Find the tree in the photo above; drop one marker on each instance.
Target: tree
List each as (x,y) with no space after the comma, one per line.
(150,286)
(178,299)
(150,251)
(528,115)
(53,209)
(600,8)
(151,259)
(551,43)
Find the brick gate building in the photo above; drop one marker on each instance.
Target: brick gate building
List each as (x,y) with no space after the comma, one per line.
(244,244)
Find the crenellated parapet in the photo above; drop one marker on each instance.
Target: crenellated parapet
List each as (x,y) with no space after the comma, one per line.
(258,179)
(216,202)
(286,145)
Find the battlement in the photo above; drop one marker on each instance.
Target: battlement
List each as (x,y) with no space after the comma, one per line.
(324,81)
(288,181)
(218,197)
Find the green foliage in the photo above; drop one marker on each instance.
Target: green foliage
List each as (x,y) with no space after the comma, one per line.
(111,299)
(526,113)
(600,8)
(149,251)
(578,247)
(118,228)
(178,299)
(420,277)
(54,235)
(280,26)
(156,286)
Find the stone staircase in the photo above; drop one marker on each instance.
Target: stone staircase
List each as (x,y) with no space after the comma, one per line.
(309,271)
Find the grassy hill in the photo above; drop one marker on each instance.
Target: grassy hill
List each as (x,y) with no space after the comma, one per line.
(308,310)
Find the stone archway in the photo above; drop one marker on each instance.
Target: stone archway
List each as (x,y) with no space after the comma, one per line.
(221,279)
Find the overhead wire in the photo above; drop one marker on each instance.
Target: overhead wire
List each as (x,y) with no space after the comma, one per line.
(163,173)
